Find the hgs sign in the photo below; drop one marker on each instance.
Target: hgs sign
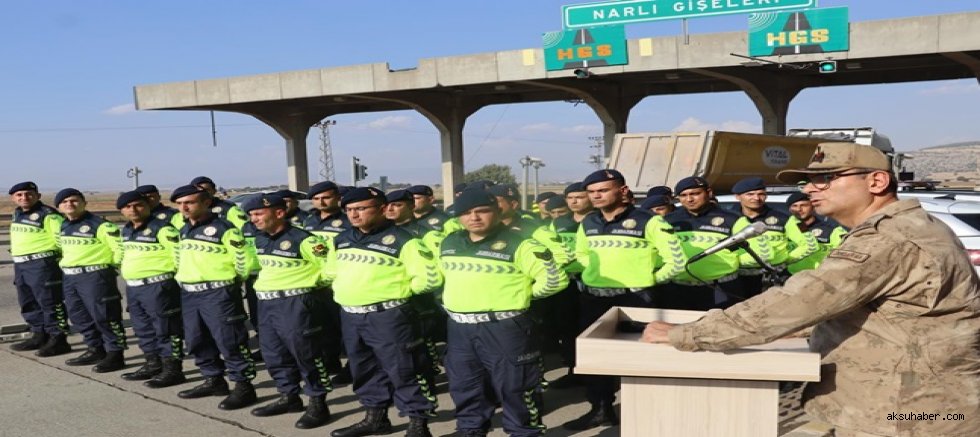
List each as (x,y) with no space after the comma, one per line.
(789,33)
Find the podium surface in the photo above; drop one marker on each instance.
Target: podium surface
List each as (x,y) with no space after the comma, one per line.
(667,392)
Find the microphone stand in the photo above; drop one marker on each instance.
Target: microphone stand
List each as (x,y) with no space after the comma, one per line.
(775,276)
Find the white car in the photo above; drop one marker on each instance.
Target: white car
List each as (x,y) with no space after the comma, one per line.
(962,216)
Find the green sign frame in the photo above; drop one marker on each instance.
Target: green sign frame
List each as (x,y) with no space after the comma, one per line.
(583,48)
(799,32)
(638,11)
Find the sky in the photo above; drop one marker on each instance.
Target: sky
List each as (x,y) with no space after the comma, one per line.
(69,67)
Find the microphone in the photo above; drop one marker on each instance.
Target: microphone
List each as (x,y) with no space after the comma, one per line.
(755,230)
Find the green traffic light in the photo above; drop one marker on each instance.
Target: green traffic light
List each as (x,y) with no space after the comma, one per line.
(827,67)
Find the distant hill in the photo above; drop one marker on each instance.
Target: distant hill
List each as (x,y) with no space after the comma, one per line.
(953,145)
(957,164)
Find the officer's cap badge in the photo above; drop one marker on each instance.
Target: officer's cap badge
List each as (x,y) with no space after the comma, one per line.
(285,245)
(35,216)
(265,202)
(772,220)
(629,224)
(210,231)
(817,232)
(433,221)
(162,216)
(717,221)
(498,245)
(84,228)
(609,175)
(818,156)
(336,223)
(388,239)
(147,232)
(216,210)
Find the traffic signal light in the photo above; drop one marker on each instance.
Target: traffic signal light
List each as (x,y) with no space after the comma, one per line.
(827,66)
(359,170)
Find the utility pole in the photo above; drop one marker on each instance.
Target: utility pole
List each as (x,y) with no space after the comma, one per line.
(134,174)
(526,165)
(326,150)
(597,157)
(537,163)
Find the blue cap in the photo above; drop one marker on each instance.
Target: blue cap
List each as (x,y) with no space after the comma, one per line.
(422,190)
(655,201)
(289,194)
(361,194)
(321,187)
(147,189)
(544,196)
(400,196)
(603,176)
(796,197)
(661,190)
(458,188)
(556,202)
(28,186)
(575,187)
(690,182)
(481,184)
(66,193)
(502,190)
(259,201)
(343,190)
(185,191)
(471,199)
(129,197)
(749,184)
(202,180)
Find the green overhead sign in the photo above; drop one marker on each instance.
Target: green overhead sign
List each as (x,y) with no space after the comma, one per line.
(583,48)
(790,33)
(638,11)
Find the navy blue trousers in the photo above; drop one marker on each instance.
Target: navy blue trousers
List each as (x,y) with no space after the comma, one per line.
(42,305)
(252,301)
(291,345)
(214,327)
(95,308)
(501,355)
(154,310)
(388,360)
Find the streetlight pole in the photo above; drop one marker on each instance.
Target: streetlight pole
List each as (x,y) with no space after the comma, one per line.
(134,174)
(536,163)
(525,164)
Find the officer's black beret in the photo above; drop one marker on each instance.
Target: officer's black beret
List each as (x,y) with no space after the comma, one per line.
(29,186)
(423,190)
(361,194)
(602,176)
(690,182)
(185,191)
(458,188)
(267,200)
(796,197)
(321,187)
(342,190)
(556,202)
(661,190)
(655,201)
(399,196)
(471,199)
(289,194)
(127,197)
(502,190)
(544,196)
(575,187)
(66,193)
(749,184)
(147,189)
(481,184)
(202,180)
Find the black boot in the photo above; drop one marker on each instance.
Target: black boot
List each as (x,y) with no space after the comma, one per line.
(57,344)
(91,356)
(599,415)
(317,413)
(152,367)
(172,374)
(375,422)
(343,377)
(241,396)
(212,386)
(34,343)
(112,362)
(285,404)
(418,427)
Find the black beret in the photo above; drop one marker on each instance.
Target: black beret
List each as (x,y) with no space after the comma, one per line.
(471,199)
(343,190)
(481,184)
(66,193)
(147,189)
(28,186)
(796,197)
(360,194)
(184,191)
(458,188)
(289,194)
(423,190)
(690,182)
(502,190)
(556,202)
(661,190)
(602,176)
(544,196)
(201,180)
(576,187)
(400,196)
(267,200)
(321,187)
(129,196)
(655,201)
(749,184)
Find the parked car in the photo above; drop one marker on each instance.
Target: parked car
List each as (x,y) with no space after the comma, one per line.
(239,199)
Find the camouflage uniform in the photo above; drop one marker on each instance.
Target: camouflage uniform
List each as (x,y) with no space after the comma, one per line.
(897,314)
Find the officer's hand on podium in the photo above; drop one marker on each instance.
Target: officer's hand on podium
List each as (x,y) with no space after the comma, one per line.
(656,332)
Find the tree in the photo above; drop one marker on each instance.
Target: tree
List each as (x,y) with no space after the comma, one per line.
(497,173)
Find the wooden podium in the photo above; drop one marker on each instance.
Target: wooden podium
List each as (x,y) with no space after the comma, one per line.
(670,393)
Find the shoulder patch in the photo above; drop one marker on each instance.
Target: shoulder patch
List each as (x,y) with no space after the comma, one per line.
(544,255)
(320,249)
(849,255)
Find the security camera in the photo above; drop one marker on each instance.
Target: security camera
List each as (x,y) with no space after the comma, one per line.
(582,73)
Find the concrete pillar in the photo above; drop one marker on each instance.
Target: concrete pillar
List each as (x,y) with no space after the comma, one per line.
(771,93)
(294,128)
(449,116)
(972,62)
